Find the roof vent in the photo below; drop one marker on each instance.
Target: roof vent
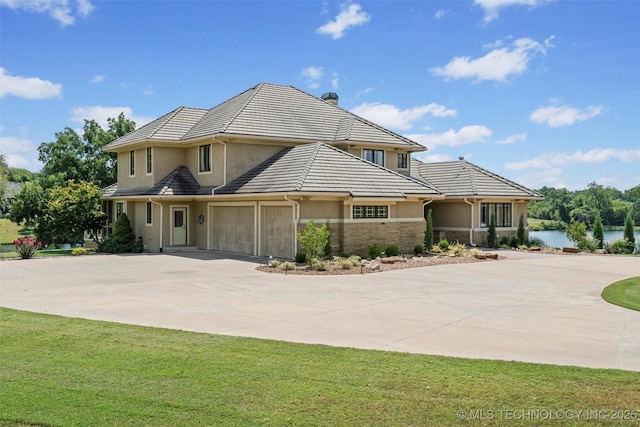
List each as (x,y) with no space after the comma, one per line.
(330,97)
(460,158)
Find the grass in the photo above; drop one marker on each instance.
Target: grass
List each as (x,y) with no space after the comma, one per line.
(625,293)
(9,231)
(64,371)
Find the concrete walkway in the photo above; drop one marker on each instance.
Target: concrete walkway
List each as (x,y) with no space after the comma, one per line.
(530,307)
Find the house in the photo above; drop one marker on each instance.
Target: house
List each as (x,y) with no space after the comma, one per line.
(247,175)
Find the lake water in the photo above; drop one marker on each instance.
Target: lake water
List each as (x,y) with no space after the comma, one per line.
(558,238)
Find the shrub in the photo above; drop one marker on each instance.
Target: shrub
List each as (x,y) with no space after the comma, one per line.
(418,249)
(317,264)
(576,232)
(428,232)
(513,242)
(347,263)
(536,242)
(628,232)
(504,246)
(504,241)
(78,251)
(314,240)
(620,246)
(26,247)
(273,263)
(588,245)
(106,246)
(457,249)
(287,266)
(436,249)
(344,255)
(374,251)
(124,239)
(443,244)
(492,237)
(301,257)
(392,250)
(598,231)
(522,234)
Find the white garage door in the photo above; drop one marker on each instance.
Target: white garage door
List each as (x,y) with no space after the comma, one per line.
(277,231)
(233,229)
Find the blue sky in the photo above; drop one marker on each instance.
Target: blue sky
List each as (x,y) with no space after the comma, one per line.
(542,92)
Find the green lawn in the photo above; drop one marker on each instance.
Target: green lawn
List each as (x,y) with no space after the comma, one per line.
(9,231)
(625,293)
(59,371)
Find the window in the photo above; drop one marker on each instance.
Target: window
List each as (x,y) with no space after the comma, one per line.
(204,156)
(119,209)
(132,163)
(403,161)
(149,213)
(371,212)
(502,212)
(149,160)
(374,156)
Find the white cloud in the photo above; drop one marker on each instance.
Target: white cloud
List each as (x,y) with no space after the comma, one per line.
(60,10)
(27,87)
(364,92)
(492,7)
(597,155)
(518,137)
(20,152)
(101,114)
(549,177)
(441,13)
(351,15)
(312,76)
(98,78)
(564,115)
(390,116)
(335,81)
(466,135)
(145,90)
(500,64)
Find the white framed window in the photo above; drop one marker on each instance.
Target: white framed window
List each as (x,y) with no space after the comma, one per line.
(132,163)
(373,156)
(502,212)
(403,161)
(149,160)
(370,211)
(204,158)
(149,213)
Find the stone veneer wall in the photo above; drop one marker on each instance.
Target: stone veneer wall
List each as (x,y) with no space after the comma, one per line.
(479,237)
(359,236)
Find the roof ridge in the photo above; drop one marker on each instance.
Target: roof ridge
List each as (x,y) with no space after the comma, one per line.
(307,168)
(170,115)
(255,89)
(472,178)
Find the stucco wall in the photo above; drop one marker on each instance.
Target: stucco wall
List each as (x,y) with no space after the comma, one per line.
(165,160)
(241,158)
(450,214)
(321,210)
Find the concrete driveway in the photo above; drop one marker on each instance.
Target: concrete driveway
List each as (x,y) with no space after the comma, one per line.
(530,307)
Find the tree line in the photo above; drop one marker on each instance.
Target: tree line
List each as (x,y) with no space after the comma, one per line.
(584,206)
(62,200)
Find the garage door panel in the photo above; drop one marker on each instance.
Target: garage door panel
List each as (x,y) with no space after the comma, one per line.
(233,229)
(277,231)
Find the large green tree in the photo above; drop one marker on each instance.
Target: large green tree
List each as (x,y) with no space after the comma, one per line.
(81,158)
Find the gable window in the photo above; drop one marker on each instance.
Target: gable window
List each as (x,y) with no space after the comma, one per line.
(149,213)
(132,163)
(502,212)
(149,160)
(370,211)
(204,158)
(403,161)
(374,156)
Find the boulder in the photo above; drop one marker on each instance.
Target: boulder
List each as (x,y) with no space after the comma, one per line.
(570,250)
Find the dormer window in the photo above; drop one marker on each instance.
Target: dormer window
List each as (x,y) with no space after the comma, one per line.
(374,156)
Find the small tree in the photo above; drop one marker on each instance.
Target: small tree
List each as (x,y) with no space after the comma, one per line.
(577,232)
(124,239)
(522,234)
(428,233)
(313,240)
(492,237)
(598,231)
(628,232)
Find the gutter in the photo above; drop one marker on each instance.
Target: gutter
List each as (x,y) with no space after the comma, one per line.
(296,218)
(472,221)
(161,224)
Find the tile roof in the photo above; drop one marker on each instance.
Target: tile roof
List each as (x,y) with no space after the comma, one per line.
(180,182)
(267,110)
(462,178)
(323,168)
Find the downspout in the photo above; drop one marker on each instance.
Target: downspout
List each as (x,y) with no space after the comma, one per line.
(296,218)
(224,166)
(472,221)
(161,223)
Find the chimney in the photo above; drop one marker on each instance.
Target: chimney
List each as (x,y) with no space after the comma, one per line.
(330,97)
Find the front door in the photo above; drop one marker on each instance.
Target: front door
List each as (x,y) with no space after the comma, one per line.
(179,226)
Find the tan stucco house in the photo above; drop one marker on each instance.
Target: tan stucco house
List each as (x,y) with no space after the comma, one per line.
(248,174)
